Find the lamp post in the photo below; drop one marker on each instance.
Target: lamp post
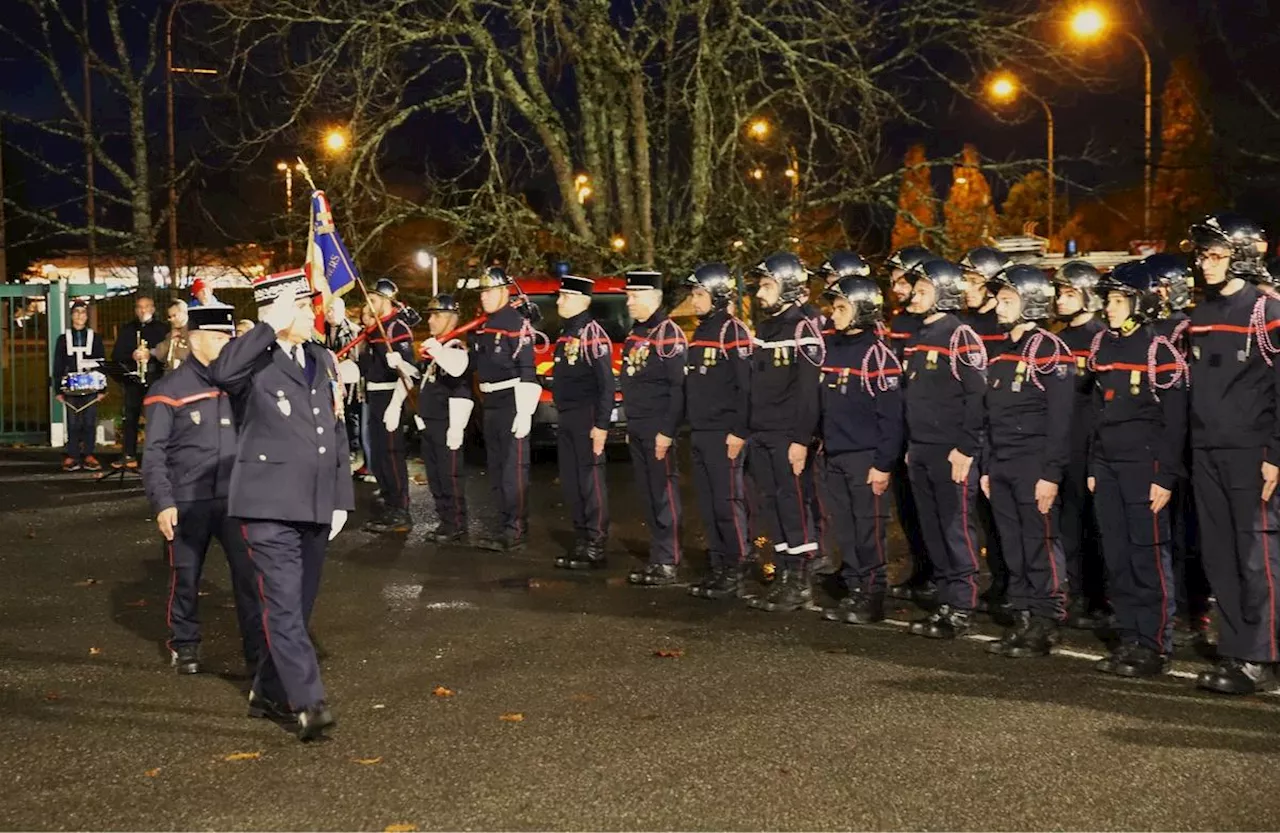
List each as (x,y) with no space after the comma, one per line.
(336,141)
(427,260)
(1088,24)
(1006,88)
(287,169)
(169,70)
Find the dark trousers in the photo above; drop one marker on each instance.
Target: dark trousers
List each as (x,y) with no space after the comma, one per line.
(859,520)
(1032,541)
(658,484)
(1192,584)
(82,426)
(721,489)
(582,475)
(1243,556)
(784,500)
(1139,556)
(287,559)
(947,523)
(909,521)
(388,457)
(133,396)
(507,460)
(1080,537)
(352,411)
(445,474)
(199,522)
(816,487)
(997,565)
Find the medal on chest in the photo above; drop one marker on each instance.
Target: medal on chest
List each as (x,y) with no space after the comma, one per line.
(1019,376)
(572,349)
(781,356)
(1135,382)
(931,360)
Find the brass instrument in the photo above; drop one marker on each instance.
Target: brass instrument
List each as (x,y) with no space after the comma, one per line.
(142,365)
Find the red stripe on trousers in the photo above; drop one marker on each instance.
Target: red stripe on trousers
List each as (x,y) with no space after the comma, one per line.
(671,505)
(1271,588)
(973,555)
(173,587)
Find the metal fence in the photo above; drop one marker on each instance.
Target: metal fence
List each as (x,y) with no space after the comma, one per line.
(24,364)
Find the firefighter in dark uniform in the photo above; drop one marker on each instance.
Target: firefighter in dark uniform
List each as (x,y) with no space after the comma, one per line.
(717,400)
(862,434)
(583,387)
(77,351)
(653,360)
(290,488)
(387,368)
(1030,388)
(944,382)
(1135,462)
(785,365)
(981,265)
(918,586)
(502,354)
(1235,441)
(132,354)
(445,403)
(190,451)
(1078,306)
(1191,627)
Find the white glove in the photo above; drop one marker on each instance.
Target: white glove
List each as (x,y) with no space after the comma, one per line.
(527,396)
(452,360)
(431,345)
(279,313)
(394,360)
(391,417)
(521,425)
(336,524)
(459,415)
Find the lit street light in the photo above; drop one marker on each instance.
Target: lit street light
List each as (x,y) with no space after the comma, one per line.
(759,129)
(287,170)
(1089,23)
(427,260)
(1006,88)
(335,140)
(618,242)
(757,174)
(583,184)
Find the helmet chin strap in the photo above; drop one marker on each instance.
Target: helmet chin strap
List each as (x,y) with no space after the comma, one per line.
(1130,324)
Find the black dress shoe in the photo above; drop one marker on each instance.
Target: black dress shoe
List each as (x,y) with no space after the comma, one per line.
(392,521)
(654,575)
(867,609)
(1079,617)
(842,608)
(1192,632)
(1142,661)
(1037,641)
(700,587)
(1012,634)
(792,592)
(945,623)
(185,659)
(1235,676)
(313,721)
(448,534)
(262,707)
(727,586)
(592,557)
(574,553)
(507,543)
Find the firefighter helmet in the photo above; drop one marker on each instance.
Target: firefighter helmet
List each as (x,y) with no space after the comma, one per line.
(864,295)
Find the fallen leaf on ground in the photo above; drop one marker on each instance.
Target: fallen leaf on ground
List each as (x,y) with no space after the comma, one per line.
(399,828)
(31,532)
(441,691)
(152,773)
(89,582)
(136,603)
(669,653)
(583,698)
(242,756)
(512,717)
(93,652)
(648,717)
(51,695)
(379,706)
(203,593)
(367,761)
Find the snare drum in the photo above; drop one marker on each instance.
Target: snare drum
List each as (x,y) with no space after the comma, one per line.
(79,384)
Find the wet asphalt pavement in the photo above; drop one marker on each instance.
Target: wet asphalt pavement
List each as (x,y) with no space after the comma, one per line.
(757,721)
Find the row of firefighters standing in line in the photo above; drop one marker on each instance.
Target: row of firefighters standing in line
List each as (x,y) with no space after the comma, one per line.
(984,423)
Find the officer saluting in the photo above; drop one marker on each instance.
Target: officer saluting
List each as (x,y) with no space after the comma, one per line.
(445,404)
(653,394)
(291,487)
(583,386)
(502,351)
(718,400)
(191,449)
(384,367)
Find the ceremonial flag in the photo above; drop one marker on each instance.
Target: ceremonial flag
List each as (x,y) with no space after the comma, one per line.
(329,267)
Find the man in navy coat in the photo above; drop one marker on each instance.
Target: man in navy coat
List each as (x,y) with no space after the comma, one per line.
(291,487)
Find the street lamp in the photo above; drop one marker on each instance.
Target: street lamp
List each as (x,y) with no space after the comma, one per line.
(759,129)
(618,242)
(287,170)
(1089,23)
(427,260)
(335,140)
(583,184)
(1005,87)
(757,174)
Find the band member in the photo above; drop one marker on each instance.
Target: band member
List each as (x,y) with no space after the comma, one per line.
(1235,444)
(445,404)
(583,387)
(1191,627)
(717,397)
(980,266)
(202,294)
(944,368)
(386,367)
(79,351)
(173,350)
(502,354)
(785,366)
(653,360)
(191,449)
(1078,305)
(862,432)
(1030,387)
(132,353)
(339,331)
(1136,460)
(919,586)
(290,488)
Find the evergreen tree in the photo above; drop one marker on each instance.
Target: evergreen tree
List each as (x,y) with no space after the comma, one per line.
(1184,186)
(969,212)
(917,204)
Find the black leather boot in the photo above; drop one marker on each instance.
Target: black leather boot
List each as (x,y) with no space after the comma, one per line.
(1118,655)
(700,587)
(575,553)
(793,593)
(592,558)
(1236,676)
(1037,641)
(1012,634)
(945,623)
(314,721)
(1142,661)
(448,534)
(727,586)
(654,575)
(185,659)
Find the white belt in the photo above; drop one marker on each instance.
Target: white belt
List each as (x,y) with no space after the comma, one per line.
(381,385)
(494,387)
(792,342)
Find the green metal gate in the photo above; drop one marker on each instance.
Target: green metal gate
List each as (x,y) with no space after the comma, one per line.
(24,363)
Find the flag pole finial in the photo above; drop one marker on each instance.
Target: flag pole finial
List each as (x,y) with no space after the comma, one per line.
(306,172)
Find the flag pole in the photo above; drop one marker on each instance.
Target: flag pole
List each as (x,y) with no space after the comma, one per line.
(410,400)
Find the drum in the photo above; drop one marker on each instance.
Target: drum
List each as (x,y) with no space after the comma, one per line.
(79,384)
